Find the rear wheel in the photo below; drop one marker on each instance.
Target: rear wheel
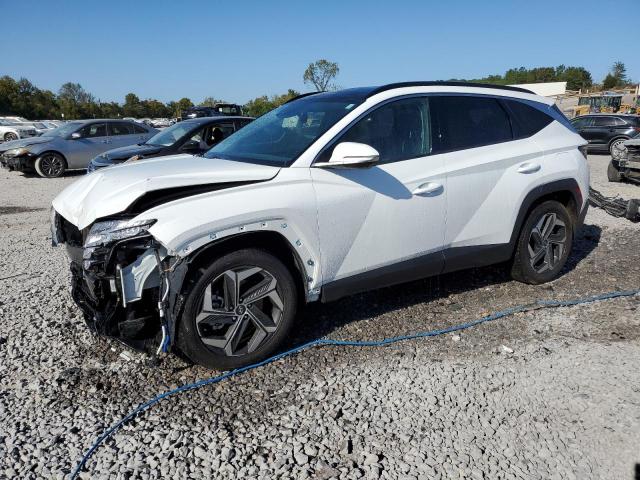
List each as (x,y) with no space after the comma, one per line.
(544,244)
(239,311)
(50,165)
(9,136)
(613,173)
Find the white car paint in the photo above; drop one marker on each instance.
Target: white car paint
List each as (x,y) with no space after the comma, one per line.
(344,222)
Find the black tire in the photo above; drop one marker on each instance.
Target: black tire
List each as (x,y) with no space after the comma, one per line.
(9,136)
(190,333)
(50,165)
(613,174)
(524,267)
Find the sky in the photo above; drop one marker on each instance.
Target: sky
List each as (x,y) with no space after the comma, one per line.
(237,50)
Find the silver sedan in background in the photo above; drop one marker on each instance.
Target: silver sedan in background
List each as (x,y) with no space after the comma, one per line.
(71,146)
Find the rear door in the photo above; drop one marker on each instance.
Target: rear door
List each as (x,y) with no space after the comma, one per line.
(122,134)
(600,130)
(474,140)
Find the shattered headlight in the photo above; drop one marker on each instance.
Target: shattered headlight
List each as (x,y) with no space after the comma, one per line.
(102,233)
(16,152)
(55,240)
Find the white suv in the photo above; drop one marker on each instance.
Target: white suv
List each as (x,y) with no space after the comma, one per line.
(327,195)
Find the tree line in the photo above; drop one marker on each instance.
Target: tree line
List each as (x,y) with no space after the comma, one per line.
(20,97)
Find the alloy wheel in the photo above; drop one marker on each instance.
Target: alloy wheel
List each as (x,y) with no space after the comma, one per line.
(10,136)
(618,149)
(51,165)
(239,311)
(547,243)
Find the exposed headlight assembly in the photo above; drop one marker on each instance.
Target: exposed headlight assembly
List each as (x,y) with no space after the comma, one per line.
(16,152)
(102,233)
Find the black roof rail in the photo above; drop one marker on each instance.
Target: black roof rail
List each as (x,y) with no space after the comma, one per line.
(391,86)
(301,96)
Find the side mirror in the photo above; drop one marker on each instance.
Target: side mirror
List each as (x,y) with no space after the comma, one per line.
(351,155)
(76,135)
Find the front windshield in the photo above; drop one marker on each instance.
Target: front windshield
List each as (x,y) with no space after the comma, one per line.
(170,135)
(63,131)
(279,137)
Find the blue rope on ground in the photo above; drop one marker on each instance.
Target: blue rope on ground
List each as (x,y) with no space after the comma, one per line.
(342,343)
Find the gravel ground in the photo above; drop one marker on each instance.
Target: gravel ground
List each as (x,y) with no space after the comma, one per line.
(546,394)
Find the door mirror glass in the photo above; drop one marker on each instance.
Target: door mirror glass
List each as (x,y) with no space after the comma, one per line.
(76,135)
(351,155)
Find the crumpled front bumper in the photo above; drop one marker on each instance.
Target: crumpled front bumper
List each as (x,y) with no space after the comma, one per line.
(115,286)
(20,164)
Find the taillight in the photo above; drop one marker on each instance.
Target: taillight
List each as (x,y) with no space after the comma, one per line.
(637,129)
(583,151)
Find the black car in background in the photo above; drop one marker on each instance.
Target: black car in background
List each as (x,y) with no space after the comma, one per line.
(606,133)
(191,136)
(217,110)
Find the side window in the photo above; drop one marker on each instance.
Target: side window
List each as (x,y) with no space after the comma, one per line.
(93,130)
(618,122)
(117,128)
(462,122)
(138,129)
(398,131)
(216,133)
(526,120)
(603,121)
(580,122)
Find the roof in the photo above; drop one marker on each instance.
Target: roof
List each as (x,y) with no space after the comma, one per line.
(362,93)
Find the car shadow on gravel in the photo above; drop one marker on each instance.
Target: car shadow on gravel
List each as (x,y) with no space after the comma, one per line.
(320,320)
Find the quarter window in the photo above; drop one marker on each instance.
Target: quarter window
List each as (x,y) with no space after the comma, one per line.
(462,122)
(398,130)
(526,120)
(139,129)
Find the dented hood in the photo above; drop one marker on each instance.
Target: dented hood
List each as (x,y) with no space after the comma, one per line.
(111,190)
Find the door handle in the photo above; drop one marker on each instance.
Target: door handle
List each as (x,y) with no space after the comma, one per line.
(429,188)
(529,167)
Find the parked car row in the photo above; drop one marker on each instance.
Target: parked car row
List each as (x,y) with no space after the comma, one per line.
(94,144)
(71,146)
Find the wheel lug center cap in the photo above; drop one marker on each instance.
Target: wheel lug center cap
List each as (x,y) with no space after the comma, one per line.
(240,310)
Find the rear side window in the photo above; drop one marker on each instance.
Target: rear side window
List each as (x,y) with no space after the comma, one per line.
(604,121)
(526,120)
(462,122)
(121,128)
(139,129)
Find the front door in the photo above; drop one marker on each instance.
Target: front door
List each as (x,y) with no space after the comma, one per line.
(384,224)
(93,141)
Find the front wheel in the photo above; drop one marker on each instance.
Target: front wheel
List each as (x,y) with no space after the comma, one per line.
(239,311)
(544,244)
(617,148)
(50,165)
(9,136)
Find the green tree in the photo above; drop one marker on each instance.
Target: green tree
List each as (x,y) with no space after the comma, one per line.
(620,73)
(609,82)
(261,105)
(210,102)
(576,77)
(320,73)
(75,101)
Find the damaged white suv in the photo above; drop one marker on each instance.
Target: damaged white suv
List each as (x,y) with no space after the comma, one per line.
(327,195)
